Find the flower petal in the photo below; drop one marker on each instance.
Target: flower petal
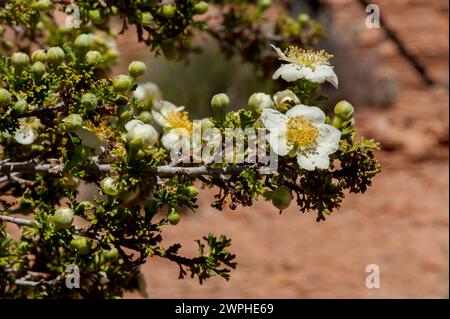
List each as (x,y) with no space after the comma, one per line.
(278,142)
(311,113)
(160,119)
(280,53)
(328,139)
(25,135)
(274,120)
(312,161)
(290,72)
(176,139)
(90,139)
(323,73)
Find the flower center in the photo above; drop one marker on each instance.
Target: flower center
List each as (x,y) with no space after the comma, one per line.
(302,133)
(180,120)
(308,58)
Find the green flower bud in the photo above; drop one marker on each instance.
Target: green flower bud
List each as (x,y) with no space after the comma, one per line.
(344,110)
(137,69)
(201,7)
(80,244)
(55,56)
(109,186)
(146,117)
(96,17)
(83,43)
(123,83)
(146,18)
(72,122)
(20,107)
(89,101)
(173,216)
(39,56)
(259,101)
(281,197)
(167,11)
(38,69)
(111,255)
(5,98)
(219,104)
(42,5)
(63,218)
(20,61)
(191,191)
(93,58)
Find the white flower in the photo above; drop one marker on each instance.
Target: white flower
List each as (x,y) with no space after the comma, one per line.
(138,129)
(260,101)
(27,134)
(305,64)
(177,127)
(302,132)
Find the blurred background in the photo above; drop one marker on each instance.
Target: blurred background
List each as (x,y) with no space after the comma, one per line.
(399,87)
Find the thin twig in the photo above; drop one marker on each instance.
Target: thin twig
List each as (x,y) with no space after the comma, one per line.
(166,170)
(19,221)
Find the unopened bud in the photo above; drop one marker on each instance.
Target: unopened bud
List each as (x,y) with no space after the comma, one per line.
(93,58)
(281,197)
(89,101)
(20,61)
(146,19)
(201,7)
(260,101)
(137,69)
(39,56)
(219,104)
(5,98)
(20,107)
(344,110)
(167,11)
(109,186)
(72,122)
(123,83)
(96,17)
(111,255)
(191,191)
(38,69)
(55,56)
(63,218)
(83,43)
(173,216)
(81,244)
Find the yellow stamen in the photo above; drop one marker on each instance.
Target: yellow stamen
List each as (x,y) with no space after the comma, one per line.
(308,58)
(180,120)
(302,133)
